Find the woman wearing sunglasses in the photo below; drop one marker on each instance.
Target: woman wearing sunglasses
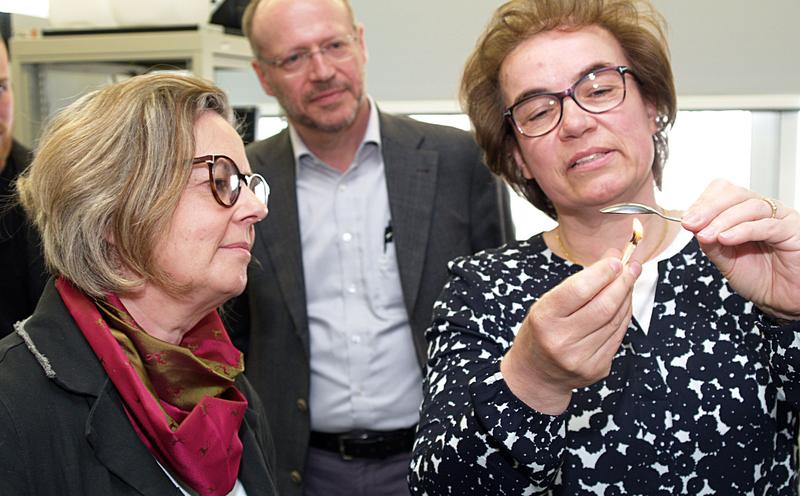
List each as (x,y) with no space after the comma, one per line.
(124,380)
(554,367)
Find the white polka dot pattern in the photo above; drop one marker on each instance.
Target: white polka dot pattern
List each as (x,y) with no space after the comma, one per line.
(705,403)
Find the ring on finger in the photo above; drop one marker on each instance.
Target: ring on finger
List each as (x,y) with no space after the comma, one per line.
(773,205)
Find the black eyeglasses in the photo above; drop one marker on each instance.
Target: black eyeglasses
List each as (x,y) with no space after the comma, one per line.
(597,92)
(226,180)
(335,50)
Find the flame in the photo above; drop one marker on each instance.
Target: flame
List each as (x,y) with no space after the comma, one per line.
(636,237)
(638,232)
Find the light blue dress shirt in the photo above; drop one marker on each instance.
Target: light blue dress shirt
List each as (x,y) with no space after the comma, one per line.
(364,370)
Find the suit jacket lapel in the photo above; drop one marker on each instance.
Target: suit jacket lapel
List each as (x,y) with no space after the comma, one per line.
(411,183)
(280,231)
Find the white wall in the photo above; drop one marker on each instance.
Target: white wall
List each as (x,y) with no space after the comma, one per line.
(417,47)
(724,47)
(719,47)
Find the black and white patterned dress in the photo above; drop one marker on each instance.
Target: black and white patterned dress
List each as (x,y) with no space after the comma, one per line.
(705,402)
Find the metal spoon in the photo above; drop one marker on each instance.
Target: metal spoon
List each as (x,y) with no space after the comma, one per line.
(637,208)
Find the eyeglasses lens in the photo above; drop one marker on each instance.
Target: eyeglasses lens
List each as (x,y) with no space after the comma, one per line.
(226,180)
(596,93)
(336,50)
(259,187)
(601,91)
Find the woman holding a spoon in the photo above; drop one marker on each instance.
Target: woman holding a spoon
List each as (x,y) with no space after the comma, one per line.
(554,367)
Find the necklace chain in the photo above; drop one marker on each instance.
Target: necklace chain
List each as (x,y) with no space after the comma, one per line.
(653,252)
(563,247)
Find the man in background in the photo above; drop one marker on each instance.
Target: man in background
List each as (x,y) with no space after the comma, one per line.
(22,275)
(366,210)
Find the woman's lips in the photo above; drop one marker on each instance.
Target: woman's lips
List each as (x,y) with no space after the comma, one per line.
(589,160)
(244,246)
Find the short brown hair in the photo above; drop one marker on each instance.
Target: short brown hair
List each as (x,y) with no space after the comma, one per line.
(636,25)
(107,176)
(247,22)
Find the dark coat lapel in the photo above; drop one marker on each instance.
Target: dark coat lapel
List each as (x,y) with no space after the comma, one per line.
(116,445)
(253,472)
(280,231)
(411,175)
(119,448)
(77,370)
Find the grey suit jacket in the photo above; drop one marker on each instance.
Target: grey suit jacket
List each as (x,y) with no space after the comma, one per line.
(444,203)
(63,429)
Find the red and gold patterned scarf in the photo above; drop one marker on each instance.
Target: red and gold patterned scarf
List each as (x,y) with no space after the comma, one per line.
(180,398)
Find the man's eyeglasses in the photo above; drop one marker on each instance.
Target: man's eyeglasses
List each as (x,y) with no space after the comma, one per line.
(335,50)
(226,181)
(597,92)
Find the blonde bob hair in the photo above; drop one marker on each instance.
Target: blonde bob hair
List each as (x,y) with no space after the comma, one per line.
(107,176)
(636,25)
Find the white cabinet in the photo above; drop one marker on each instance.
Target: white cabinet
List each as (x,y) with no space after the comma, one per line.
(51,70)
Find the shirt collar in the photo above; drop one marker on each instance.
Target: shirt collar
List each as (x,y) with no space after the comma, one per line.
(372,135)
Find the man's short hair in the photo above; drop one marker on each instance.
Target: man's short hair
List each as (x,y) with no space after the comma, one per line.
(249,13)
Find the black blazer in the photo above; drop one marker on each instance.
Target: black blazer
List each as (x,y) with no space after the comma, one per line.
(444,203)
(22,272)
(63,430)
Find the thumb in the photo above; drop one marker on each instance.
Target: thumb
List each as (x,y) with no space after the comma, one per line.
(634,268)
(720,255)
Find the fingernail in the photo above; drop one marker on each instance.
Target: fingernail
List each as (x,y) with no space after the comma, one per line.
(616,265)
(635,268)
(708,234)
(724,235)
(691,218)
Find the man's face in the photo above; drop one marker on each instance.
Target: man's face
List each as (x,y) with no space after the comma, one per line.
(6,106)
(327,91)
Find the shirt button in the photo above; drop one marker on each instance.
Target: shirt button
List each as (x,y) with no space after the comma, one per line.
(351,288)
(346,237)
(295,476)
(356,339)
(302,405)
(342,187)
